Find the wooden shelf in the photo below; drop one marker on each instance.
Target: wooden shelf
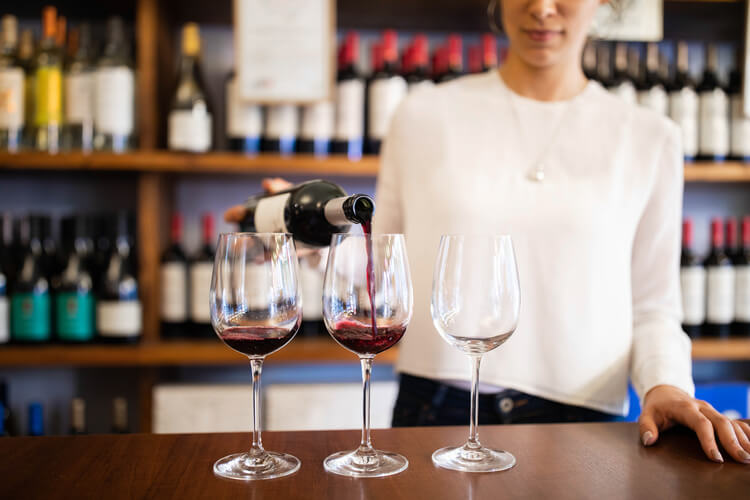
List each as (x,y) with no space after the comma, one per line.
(178,352)
(722,349)
(717,172)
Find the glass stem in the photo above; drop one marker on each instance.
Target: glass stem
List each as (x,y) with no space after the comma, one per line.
(366,445)
(256,364)
(474,424)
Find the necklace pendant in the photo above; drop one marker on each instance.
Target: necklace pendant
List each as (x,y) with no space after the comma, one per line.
(537,175)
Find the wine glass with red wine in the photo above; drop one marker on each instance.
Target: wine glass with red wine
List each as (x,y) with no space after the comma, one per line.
(367,305)
(255,310)
(476,301)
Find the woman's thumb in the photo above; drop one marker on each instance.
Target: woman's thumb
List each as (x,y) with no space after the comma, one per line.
(647,428)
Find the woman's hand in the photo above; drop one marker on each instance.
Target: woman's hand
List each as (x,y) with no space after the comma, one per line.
(236,213)
(665,406)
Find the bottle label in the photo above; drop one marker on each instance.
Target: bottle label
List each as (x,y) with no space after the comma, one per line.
(74,314)
(48,93)
(4,321)
(190,130)
(683,109)
(720,290)
(114,91)
(11,98)
(350,110)
(424,84)
(714,123)
(693,284)
(742,294)
(30,317)
(282,121)
(269,214)
(740,135)
(654,99)
(118,318)
(173,292)
(79,98)
(200,287)
(385,96)
(626,91)
(317,121)
(243,119)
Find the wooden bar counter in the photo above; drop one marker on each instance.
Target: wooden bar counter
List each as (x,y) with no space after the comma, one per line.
(575,461)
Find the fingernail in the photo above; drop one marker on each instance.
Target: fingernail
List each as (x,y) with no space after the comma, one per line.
(647,439)
(745,455)
(717,456)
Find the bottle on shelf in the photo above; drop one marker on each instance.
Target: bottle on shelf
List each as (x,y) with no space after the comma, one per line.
(190,117)
(118,309)
(61,34)
(78,132)
(51,261)
(720,285)
(635,68)
(683,102)
(652,92)
(74,288)
(439,63)
(474,59)
(622,84)
(589,60)
(693,284)
(78,417)
(713,105)
(281,128)
(174,289)
(604,65)
(30,310)
(742,282)
(350,101)
(386,89)
(419,74)
(26,51)
(120,416)
(114,90)
(739,142)
(455,59)
(35,423)
(244,120)
(317,128)
(12,84)
(201,268)
(312,211)
(48,64)
(489,52)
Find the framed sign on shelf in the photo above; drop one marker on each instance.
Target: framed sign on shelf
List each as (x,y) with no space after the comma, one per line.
(284,50)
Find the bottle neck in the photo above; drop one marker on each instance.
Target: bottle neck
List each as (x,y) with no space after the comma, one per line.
(347,210)
(687,235)
(717,236)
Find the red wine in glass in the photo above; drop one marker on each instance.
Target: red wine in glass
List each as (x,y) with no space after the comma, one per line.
(362,339)
(257,341)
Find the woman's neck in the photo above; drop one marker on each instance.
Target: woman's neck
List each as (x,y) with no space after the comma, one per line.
(554,83)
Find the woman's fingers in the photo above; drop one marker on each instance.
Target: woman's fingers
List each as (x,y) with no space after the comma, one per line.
(235,214)
(726,432)
(275,184)
(689,416)
(742,437)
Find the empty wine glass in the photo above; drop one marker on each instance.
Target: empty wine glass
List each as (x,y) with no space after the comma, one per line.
(256,310)
(475,306)
(367,305)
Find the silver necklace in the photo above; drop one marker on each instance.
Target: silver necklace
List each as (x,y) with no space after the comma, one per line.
(537,171)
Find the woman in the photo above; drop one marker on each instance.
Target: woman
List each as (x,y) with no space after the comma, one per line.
(590,188)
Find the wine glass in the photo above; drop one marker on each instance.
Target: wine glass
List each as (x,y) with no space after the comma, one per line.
(255,310)
(475,305)
(367,305)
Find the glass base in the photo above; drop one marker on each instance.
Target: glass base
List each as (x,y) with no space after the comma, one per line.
(470,459)
(358,463)
(249,467)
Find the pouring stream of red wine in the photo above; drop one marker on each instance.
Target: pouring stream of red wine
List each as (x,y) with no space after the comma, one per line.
(367,229)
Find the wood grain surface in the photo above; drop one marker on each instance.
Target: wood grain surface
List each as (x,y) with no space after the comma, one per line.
(567,461)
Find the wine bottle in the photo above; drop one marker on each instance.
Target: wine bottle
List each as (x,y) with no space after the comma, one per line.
(312,211)
(589,60)
(720,289)
(317,128)
(281,129)
(51,261)
(622,85)
(713,144)
(11,88)
(30,299)
(350,101)
(439,63)
(118,310)
(419,75)
(742,283)
(739,142)
(604,65)
(693,284)
(244,120)
(652,92)
(387,88)
(455,59)
(78,132)
(35,414)
(120,416)
(114,88)
(474,59)
(683,103)
(190,118)
(489,52)
(174,292)
(201,268)
(48,86)
(74,288)
(78,417)
(26,61)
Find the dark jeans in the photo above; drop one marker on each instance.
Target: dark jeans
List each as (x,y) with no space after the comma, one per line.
(423,402)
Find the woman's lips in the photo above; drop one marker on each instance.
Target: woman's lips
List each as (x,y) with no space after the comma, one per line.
(542,35)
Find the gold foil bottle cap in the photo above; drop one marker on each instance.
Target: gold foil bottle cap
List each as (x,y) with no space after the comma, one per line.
(49,22)
(10,31)
(191,40)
